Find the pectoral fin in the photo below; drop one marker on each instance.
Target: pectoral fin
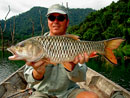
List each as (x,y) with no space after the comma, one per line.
(68,66)
(93,55)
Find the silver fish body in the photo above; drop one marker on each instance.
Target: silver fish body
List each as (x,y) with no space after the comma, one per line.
(61,48)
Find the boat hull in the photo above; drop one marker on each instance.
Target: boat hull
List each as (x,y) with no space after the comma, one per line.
(95,82)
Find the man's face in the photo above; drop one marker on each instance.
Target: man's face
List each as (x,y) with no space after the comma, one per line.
(57,26)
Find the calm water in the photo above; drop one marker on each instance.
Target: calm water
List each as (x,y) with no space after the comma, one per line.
(119,74)
(7,67)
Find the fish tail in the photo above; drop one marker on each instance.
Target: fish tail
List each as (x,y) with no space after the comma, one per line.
(109,46)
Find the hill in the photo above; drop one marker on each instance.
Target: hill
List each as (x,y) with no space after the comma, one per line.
(111,21)
(23,22)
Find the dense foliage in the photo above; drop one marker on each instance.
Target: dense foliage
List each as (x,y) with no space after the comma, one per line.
(109,22)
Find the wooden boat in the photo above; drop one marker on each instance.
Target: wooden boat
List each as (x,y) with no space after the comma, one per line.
(95,82)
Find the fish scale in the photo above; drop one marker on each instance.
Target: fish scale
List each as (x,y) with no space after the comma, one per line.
(59,48)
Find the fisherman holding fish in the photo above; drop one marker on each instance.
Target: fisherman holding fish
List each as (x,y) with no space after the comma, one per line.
(56,61)
(50,80)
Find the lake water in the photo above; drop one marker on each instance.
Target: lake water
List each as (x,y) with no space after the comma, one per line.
(119,74)
(7,67)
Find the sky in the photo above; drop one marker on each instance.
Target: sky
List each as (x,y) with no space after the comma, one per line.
(19,6)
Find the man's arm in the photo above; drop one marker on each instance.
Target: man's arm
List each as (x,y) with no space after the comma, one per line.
(78,74)
(78,71)
(35,70)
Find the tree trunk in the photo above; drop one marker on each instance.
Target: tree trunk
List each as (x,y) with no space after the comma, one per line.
(2,41)
(12,32)
(42,26)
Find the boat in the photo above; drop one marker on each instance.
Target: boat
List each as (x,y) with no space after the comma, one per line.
(15,86)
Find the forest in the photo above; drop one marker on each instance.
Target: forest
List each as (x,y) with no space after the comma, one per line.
(109,22)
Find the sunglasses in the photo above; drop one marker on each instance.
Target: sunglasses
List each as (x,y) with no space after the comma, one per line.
(59,18)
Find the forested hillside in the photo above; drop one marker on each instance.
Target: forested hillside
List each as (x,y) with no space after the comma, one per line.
(24,21)
(109,22)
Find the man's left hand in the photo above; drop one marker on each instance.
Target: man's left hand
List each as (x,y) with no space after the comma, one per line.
(81,58)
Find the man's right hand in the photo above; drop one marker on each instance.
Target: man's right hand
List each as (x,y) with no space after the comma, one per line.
(38,68)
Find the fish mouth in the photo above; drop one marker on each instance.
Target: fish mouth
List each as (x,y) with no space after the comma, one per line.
(14,56)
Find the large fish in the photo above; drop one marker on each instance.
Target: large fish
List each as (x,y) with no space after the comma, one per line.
(60,49)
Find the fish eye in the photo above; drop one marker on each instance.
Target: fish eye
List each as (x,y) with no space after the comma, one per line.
(22,45)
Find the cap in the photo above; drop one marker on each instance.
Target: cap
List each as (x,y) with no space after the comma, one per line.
(56,8)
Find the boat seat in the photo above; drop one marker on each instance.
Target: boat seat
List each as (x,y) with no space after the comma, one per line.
(9,86)
(94,80)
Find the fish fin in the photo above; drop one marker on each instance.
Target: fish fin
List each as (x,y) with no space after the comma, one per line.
(110,56)
(67,66)
(53,63)
(114,43)
(93,55)
(75,37)
(110,45)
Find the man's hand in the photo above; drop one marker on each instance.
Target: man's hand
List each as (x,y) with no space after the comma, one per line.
(38,68)
(81,58)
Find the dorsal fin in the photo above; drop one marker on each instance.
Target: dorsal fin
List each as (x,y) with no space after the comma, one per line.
(75,37)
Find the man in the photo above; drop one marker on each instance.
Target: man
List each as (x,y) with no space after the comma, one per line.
(51,81)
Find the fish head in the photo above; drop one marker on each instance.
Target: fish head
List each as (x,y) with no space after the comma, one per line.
(28,50)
